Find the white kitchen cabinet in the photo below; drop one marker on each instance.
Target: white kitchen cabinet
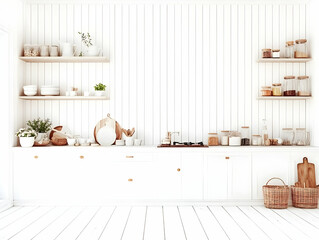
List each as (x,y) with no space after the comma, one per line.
(266,165)
(192,176)
(228,176)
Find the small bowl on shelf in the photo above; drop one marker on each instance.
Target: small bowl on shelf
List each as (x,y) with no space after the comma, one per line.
(30,90)
(50,91)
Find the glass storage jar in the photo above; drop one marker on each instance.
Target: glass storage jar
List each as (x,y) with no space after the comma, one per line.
(289,86)
(256,140)
(276,53)
(245,136)
(289,49)
(301,137)
(27,50)
(224,137)
(303,86)
(266,91)
(212,139)
(266,53)
(287,136)
(276,89)
(301,49)
(234,138)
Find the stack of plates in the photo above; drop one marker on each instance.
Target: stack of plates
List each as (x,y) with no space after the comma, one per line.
(50,90)
(30,90)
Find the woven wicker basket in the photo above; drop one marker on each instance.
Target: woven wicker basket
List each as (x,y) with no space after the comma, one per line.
(276,196)
(305,197)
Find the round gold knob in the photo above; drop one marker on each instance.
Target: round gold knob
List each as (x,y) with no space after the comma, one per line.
(36,157)
(130,180)
(81,157)
(178,169)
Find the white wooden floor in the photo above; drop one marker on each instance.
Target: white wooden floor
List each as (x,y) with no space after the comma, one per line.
(172,223)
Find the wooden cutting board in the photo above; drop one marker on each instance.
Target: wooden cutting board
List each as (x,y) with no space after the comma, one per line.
(306,174)
(118,129)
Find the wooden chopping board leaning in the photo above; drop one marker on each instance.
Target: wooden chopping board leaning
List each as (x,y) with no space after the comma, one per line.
(107,131)
(306,174)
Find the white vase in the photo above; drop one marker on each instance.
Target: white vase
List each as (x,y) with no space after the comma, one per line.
(99,93)
(26,141)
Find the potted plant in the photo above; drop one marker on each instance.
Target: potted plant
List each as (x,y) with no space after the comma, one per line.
(26,137)
(99,89)
(41,127)
(87,41)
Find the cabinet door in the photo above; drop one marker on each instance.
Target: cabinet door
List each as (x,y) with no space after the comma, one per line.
(267,165)
(167,176)
(216,180)
(192,176)
(239,177)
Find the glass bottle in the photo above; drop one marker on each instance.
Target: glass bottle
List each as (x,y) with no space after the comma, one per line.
(265,137)
(289,49)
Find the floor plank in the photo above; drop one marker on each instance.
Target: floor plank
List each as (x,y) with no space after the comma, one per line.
(272,230)
(95,228)
(54,229)
(75,228)
(134,229)
(248,226)
(24,222)
(306,215)
(9,211)
(283,224)
(11,218)
(212,227)
(154,225)
(172,224)
(192,226)
(43,222)
(116,226)
(227,222)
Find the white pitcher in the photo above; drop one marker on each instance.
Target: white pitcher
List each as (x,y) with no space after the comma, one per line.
(67,50)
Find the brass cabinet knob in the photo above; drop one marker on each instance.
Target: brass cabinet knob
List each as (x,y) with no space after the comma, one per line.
(130,180)
(226,157)
(178,169)
(36,157)
(129,156)
(81,157)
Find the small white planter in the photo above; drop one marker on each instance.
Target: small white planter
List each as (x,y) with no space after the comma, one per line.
(26,141)
(99,93)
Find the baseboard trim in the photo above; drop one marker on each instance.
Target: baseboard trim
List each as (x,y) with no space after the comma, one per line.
(5,204)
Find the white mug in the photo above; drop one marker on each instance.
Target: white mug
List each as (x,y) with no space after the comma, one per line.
(129,141)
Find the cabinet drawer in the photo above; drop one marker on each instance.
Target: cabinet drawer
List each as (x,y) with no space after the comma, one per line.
(131,157)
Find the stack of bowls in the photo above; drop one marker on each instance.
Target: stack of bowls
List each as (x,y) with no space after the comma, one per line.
(30,90)
(50,90)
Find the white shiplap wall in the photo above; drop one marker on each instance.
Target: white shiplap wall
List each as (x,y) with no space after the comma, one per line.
(185,66)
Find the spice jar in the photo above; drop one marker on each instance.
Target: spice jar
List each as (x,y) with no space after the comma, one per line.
(256,140)
(289,86)
(301,137)
(35,51)
(266,53)
(224,137)
(27,50)
(266,91)
(301,50)
(212,139)
(276,53)
(276,89)
(290,49)
(245,136)
(287,136)
(234,138)
(303,86)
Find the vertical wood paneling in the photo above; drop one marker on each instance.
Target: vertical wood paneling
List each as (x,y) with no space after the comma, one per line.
(188,67)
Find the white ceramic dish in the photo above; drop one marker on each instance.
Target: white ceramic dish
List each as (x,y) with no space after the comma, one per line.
(30,92)
(50,92)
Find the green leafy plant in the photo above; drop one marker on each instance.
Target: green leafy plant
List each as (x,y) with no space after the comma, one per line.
(39,125)
(26,132)
(86,39)
(99,87)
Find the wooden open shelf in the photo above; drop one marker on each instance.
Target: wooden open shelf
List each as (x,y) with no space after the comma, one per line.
(284,98)
(62,98)
(284,60)
(65,59)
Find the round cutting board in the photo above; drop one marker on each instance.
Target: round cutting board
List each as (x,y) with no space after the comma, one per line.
(102,123)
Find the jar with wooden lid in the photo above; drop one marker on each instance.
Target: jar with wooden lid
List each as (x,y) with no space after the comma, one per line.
(245,136)
(289,49)
(303,86)
(224,138)
(212,139)
(276,89)
(287,136)
(301,137)
(301,49)
(266,53)
(289,86)
(235,138)
(266,91)
(276,53)
(256,140)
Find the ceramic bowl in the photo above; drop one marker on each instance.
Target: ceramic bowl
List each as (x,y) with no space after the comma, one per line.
(30,87)
(30,92)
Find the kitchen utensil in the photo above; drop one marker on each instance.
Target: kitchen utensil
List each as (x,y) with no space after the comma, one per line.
(44,51)
(306,174)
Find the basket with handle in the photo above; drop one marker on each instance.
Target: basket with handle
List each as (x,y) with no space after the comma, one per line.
(305,197)
(276,196)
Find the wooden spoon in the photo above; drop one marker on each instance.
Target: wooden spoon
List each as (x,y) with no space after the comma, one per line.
(132,132)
